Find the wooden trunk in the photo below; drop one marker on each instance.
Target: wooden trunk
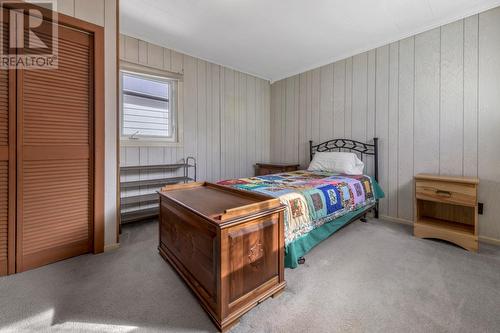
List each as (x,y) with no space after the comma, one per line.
(227,245)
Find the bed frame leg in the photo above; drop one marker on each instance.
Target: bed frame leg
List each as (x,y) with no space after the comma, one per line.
(301,260)
(363,219)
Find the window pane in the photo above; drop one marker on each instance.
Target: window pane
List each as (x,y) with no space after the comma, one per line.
(146,117)
(145,85)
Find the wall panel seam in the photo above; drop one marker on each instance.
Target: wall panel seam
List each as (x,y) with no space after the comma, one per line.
(397,132)
(375,94)
(367,94)
(439,118)
(477,100)
(413,111)
(388,119)
(463,97)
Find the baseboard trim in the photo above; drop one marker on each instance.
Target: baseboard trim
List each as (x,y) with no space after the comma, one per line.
(396,219)
(482,239)
(489,240)
(111,247)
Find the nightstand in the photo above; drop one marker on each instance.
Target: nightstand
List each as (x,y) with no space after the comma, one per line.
(447,208)
(262,169)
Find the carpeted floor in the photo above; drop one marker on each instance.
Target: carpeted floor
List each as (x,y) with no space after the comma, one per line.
(368,277)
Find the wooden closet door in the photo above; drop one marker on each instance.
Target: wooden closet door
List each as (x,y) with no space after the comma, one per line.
(55,157)
(7,159)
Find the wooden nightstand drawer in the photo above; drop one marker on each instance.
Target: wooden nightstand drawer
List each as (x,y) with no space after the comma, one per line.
(448,192)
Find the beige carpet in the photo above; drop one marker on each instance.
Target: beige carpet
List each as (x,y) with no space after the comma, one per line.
(372,277)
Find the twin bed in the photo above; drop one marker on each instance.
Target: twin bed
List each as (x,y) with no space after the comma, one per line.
(319,203)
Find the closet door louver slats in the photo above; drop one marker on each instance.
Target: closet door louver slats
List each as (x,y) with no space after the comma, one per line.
(55,174)
(4,189)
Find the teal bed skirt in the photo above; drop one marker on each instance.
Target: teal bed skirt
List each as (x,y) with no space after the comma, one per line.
(304,244)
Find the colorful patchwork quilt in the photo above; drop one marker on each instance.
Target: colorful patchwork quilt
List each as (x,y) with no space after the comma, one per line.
(312,198)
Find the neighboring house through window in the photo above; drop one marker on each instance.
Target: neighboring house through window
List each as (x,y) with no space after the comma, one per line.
(148,110)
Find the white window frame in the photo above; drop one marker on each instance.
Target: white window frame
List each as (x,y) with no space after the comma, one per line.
(175,86)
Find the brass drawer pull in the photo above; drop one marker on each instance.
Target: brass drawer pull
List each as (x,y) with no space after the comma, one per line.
(443,193)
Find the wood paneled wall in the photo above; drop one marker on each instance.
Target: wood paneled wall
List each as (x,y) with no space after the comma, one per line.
(104,13)
(433,100)
(225,115)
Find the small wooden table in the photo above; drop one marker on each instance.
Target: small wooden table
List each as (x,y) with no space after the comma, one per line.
(262,169)
(447,208)
(227,245)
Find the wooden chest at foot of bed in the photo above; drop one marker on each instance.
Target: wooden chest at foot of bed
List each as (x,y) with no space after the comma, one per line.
(227,245)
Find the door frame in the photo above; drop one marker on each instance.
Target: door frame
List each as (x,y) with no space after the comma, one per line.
(98,127)
(10,155)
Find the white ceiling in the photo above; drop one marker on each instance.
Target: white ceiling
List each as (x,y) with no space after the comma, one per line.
(274,39)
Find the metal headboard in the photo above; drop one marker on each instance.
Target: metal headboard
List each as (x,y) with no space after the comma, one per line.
(348,145)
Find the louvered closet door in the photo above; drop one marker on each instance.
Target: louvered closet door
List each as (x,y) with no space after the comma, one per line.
(54,179)
(7,159)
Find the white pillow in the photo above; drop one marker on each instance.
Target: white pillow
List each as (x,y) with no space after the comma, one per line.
(338,162)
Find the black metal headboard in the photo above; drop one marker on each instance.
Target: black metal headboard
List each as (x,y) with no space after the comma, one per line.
(348,145)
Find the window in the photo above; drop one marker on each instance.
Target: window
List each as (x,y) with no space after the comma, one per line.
(148,108)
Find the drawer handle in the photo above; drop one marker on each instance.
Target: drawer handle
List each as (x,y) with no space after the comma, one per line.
(443,193)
